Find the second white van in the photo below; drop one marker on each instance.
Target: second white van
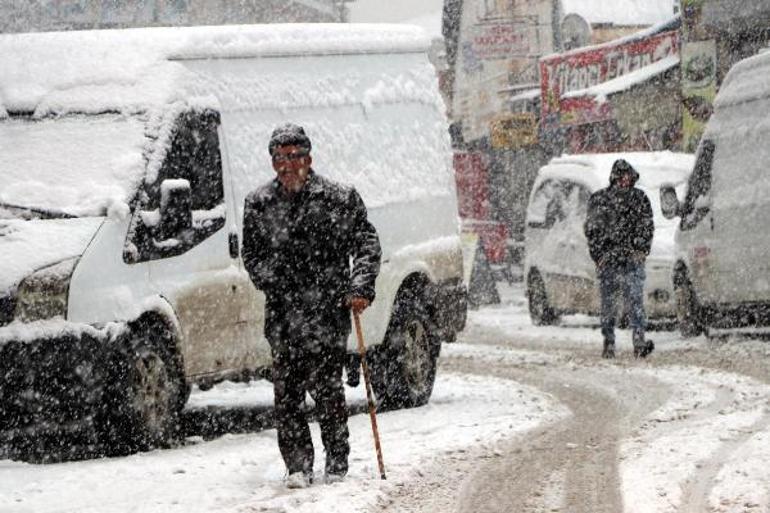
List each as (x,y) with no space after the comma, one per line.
(722,270)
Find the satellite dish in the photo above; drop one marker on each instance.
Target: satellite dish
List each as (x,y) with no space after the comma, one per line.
(575,31)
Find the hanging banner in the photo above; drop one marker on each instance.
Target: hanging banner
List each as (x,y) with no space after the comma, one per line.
(581,69)
(699,88)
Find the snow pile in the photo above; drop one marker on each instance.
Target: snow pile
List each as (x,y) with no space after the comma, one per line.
(712,417)
(620,12)
(239,473)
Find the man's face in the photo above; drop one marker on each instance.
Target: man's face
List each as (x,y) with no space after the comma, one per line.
(292,163)
(625,180)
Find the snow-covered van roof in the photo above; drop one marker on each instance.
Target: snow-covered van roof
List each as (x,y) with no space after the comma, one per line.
(747,81)
(80,111)
(96,67)
(620,12)
(655,168)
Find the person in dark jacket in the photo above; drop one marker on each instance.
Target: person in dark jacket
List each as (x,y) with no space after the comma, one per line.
(308,245)
(619,229)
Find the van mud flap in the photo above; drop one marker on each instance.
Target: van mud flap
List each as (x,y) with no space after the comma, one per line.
(50,389)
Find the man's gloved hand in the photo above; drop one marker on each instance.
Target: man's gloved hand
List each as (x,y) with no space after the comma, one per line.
(358,304)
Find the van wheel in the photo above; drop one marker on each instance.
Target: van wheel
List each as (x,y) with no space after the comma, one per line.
(404,367)
(144,397)
(689,313)
(540,311)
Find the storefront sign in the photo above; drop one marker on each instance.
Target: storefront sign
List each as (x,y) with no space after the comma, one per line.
(503,40)
(579,70)
(514,131)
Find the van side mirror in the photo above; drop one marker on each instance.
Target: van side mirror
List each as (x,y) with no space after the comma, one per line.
(175,208)
(669,202)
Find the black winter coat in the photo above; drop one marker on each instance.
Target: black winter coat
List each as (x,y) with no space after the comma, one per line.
(308,253)
(619,226)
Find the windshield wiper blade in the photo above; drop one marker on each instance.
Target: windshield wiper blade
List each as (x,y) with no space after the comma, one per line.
(42,213)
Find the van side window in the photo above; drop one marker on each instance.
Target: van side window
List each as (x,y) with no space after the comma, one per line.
(547,207)
(699,187)
(185,205)
(576,202)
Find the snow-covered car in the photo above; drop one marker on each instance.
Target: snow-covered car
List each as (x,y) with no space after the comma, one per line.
(561,277)
(722,273)
(126,158)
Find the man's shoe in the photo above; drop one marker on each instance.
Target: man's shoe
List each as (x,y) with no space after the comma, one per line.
(642,351)
(609,350)
(334,477)
(299,480)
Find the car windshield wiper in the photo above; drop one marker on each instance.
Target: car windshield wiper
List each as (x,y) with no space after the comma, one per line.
(36,212)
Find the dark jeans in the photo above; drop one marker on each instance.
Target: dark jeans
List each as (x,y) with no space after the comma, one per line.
(297,371)
(626,280)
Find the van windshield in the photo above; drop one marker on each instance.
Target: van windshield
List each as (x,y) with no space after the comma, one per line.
(70,166)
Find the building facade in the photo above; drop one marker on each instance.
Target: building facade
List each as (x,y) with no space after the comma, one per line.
(48,15)
(715,35)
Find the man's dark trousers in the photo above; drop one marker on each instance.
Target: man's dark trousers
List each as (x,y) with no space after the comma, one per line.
(318,371)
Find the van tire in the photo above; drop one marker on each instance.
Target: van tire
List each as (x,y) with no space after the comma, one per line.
(540,311)
(144,396)
(689,313)
(404,366)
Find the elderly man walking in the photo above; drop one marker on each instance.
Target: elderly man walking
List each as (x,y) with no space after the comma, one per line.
(619,229)
(308,245)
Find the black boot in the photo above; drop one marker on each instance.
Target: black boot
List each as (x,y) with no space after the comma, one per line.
(609,350)
(644,349)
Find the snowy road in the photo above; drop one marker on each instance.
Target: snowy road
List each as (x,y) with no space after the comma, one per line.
(522,419)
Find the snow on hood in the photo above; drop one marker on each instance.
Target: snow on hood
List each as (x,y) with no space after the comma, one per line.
(78,165)
(27,246)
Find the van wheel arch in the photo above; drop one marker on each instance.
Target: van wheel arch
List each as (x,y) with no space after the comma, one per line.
(404,365)
(540,310)
(146,388)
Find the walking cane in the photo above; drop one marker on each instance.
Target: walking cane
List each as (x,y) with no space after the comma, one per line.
(370,399)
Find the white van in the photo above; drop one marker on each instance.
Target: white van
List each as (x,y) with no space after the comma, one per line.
(561,277)
(722,273)
(114,299)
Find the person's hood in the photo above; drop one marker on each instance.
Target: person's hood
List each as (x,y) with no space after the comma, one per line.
(27,246)
(621,167)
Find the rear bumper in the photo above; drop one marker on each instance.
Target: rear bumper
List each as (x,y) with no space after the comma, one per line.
(51,382)
(449,307)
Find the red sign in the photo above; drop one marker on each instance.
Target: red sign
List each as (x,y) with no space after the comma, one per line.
(579,70)
(499,41)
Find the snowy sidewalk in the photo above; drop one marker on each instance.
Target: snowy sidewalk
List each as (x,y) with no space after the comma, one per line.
(243,473)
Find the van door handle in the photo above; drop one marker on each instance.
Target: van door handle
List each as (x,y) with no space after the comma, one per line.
(234,245)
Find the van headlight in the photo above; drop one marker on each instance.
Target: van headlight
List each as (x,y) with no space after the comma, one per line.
(43,294)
